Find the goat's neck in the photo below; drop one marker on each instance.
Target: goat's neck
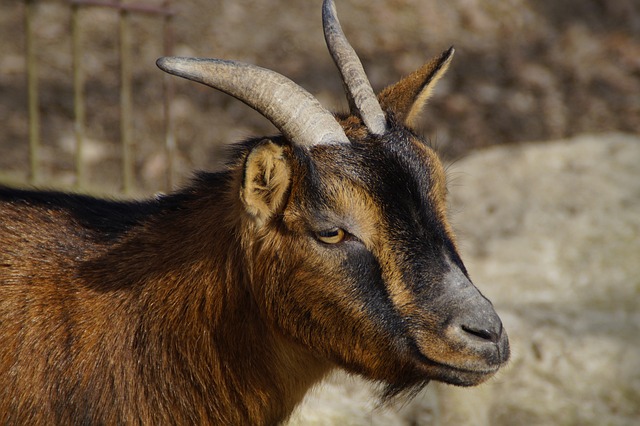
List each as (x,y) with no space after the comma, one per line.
(206,328)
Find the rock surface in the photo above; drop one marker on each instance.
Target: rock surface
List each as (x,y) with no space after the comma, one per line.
(550,232)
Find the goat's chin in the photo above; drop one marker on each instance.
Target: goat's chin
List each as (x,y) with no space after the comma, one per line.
(420,371)
(409,385)
(464,378)
(467,375)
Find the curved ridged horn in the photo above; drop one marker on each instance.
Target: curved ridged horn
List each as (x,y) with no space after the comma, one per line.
(293,110)
(362,99)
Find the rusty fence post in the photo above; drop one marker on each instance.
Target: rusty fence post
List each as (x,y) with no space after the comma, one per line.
(78,95)
(126,102)
(168,90)
(32,94)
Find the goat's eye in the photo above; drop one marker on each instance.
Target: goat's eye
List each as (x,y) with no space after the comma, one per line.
(331,236)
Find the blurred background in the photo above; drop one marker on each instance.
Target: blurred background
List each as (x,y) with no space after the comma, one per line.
(539,117)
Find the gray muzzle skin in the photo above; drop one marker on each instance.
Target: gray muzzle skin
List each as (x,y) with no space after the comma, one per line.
(472,323)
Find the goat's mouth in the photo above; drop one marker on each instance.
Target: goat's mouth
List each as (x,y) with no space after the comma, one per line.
(469,374)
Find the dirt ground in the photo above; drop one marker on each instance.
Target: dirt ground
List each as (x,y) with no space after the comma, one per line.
(524,70)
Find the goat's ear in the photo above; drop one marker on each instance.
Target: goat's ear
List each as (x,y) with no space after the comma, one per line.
(405,99)
(266,180)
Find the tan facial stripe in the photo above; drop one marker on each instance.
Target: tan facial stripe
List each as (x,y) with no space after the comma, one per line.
(372,231)
(438,189)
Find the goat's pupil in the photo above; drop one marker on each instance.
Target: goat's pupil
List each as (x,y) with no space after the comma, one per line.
(331,236)
(329,233)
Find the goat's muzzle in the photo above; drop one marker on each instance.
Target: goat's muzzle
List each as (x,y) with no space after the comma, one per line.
(471,344)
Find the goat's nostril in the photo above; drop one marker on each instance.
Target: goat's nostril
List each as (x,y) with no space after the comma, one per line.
(483,334)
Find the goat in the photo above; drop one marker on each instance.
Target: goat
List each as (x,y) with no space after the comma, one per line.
(325,247)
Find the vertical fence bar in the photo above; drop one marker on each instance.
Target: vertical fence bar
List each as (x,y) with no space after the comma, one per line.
(78,94)
(168,90)
(32,95)
(126,102)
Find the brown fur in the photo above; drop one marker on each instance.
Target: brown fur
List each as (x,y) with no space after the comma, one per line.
(219,305)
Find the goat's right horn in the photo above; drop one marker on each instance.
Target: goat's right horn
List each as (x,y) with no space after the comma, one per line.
(362,100)
(293,110)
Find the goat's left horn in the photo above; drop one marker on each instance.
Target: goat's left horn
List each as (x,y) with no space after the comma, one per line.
(362,99)
(293,110)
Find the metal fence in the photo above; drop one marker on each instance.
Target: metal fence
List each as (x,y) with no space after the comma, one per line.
(125,11)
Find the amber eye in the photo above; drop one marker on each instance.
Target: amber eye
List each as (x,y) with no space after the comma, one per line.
(331,236)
